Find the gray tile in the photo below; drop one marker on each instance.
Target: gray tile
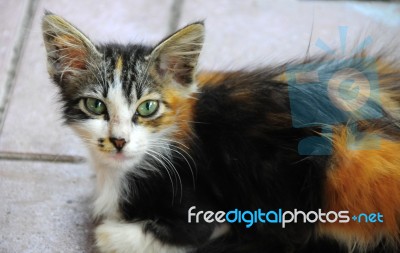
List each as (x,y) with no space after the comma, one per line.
(33,122)
(250,33)
(11,20)
(45,207)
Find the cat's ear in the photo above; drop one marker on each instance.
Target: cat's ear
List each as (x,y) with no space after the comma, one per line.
(69,51)
(177,56)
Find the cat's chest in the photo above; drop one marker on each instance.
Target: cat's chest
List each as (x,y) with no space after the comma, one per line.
(108,194)
(151,196)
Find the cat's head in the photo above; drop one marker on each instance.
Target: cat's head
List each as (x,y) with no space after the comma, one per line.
(126,102)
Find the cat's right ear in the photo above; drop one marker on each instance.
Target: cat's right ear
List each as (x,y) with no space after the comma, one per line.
(69,51)
(177,55)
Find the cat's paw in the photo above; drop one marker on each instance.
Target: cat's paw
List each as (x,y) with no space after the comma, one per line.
(118,237)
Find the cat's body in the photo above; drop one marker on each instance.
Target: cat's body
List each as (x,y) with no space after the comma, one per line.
(164,140)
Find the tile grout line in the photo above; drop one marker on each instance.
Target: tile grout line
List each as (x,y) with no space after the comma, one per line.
(17,50)
(175,12)
(5,94)
(18,156)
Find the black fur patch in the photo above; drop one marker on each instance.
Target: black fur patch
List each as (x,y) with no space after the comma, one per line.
(238,166)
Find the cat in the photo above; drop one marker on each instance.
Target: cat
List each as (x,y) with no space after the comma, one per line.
(168,142)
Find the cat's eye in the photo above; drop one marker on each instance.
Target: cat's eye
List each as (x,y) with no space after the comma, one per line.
(95,106)
(148,108)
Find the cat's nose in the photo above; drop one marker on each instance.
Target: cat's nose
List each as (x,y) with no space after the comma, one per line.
(118,143)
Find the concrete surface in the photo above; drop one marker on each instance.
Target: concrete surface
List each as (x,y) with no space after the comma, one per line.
(45,205)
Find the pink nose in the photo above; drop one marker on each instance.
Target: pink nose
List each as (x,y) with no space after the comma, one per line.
(118,143)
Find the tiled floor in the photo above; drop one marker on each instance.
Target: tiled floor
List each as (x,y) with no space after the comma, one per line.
(45,205)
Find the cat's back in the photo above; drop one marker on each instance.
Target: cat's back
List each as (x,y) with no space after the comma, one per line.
(241,99)
(361,174)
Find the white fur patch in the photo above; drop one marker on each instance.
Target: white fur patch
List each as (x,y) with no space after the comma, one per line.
(220,230)
(107,192)
(117,237)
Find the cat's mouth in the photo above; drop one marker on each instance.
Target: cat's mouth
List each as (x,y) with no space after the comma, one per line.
(120,156)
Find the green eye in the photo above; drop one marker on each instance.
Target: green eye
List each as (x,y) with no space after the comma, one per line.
(147,108)
(95,106)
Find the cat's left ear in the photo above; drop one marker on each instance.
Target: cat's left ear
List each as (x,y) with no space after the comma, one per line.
(177,56)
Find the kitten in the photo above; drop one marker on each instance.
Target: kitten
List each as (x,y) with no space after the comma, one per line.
(165,140)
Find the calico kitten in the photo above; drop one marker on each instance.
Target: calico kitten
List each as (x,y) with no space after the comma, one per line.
(164,139)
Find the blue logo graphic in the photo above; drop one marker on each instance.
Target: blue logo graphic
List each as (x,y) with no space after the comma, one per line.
(325,93)
(368,218)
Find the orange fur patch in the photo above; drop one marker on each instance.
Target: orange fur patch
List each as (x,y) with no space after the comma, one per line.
(179,112)
(118,66)
(210,78)
(72,53)
(363,181)
(107,146)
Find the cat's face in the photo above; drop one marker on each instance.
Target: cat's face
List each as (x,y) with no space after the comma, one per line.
(126,102)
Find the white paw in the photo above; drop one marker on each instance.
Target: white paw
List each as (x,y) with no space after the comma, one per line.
(118,237)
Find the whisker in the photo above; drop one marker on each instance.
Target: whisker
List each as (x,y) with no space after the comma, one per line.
(169,174)
(173,148)
(173,170)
